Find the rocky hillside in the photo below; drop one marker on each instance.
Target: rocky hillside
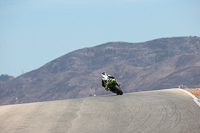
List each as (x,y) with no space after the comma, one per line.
(157,64)
(5,78)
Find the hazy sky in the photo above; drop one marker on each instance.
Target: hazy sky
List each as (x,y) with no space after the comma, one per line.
(34,32)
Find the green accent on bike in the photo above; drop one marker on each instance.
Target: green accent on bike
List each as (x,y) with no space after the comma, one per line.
(112,83)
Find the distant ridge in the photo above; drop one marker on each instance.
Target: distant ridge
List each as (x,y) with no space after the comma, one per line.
(5,78)
(156,64)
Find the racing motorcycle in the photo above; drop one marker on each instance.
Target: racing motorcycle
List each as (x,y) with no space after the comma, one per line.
(111,84)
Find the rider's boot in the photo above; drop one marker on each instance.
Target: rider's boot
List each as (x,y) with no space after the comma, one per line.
(106,87)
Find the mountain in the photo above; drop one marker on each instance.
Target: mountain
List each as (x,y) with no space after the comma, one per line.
(156,64)
(5,78)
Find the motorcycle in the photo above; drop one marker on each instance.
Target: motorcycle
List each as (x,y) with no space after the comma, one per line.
(112,84)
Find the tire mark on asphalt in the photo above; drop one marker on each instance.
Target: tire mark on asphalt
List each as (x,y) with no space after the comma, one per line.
(168,105)
(78,116)
(141,105)
(160,113)
(152,112)
(31,119)
(178,117)
(6,115)
(107,118)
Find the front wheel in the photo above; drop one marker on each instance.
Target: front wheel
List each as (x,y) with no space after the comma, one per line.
(118,90)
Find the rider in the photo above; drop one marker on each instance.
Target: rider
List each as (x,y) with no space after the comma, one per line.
(105,80)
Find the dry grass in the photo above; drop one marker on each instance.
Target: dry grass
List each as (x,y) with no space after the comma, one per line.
(194,91)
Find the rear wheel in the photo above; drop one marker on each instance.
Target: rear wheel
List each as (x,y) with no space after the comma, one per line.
(118,90)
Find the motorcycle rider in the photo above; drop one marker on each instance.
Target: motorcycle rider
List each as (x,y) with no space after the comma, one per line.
(105,80)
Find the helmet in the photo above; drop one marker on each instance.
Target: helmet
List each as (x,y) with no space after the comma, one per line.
(104,76)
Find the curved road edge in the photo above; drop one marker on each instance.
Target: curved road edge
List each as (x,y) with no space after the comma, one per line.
(196,100)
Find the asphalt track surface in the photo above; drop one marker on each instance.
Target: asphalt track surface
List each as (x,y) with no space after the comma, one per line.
(163,111)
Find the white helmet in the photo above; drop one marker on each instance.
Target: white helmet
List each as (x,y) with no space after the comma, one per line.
(104,76)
